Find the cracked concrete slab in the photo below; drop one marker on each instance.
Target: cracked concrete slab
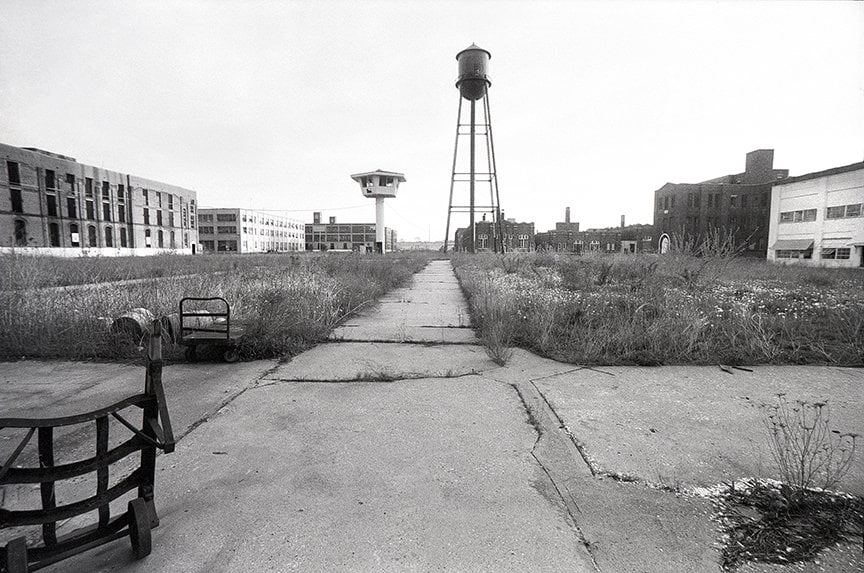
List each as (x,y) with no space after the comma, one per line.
(696,425)
(337,361)
(423,475)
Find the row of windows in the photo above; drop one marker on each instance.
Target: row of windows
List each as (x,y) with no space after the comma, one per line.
(827,253)
(694,200)
(21,238)
(843,211)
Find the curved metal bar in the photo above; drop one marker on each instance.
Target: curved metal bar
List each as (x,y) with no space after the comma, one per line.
(136,400)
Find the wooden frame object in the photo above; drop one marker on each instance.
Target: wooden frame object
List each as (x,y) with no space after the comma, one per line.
(19,557)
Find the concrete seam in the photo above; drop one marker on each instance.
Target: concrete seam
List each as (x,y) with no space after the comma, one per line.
(570,435)
(535,423)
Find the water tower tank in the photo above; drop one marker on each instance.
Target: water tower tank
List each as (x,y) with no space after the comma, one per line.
(473,64)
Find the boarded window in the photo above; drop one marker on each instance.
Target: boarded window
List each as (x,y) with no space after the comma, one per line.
(14,174)
(54,234)
(17,202)
(75,238)
(20,233)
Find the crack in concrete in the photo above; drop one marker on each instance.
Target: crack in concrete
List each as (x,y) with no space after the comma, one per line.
(416,342)
(374,378)
(561,425)
(568,500)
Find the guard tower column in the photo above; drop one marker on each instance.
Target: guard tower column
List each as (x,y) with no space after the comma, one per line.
(380,185)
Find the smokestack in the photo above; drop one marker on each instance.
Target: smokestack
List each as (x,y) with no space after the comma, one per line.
(622,221)
(316,218)
(567,214)
(332,220)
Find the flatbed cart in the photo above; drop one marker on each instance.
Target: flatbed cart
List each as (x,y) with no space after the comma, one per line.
(207,321)
(139,518)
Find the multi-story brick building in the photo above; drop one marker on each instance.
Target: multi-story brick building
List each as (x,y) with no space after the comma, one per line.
(738,203)
(344,237)
(818,218)
(248,231)
(50,203)
(518,237)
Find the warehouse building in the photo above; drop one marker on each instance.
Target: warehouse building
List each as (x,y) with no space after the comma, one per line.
(345,237)
(738,204)
(51,204)
(233,230)
(818,219)
(518,237)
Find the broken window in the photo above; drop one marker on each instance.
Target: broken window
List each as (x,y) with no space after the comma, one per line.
(17,201)
(20,233)
(71,207)
(52,205)
(109,237)
(49,179)
(123,238)
(54,234)
(14,174)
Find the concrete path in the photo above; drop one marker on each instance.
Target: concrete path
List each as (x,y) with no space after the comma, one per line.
(399,446)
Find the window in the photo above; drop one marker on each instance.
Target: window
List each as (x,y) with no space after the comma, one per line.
(206,230)
(54,234)
(159,217)
(205,217)
(50,182)
(17,201)
(124,241)
(161,238)
(109,237)
(171,202)
(733,200)
(173,242)
(121,193)
(70,180)
(146,216)
(71,207)
(14,174)
(229,230)
(91,213)
(52,205)
(146,196)
(88,187)
(853,210)
(835,253)
(20,233)
(91,236)
(106,191)
(147,239)
(798,216)
(835,212)
(121,213)
(106,211)
(483,241)
(523,241)
(75,238)
(158,198)
(226,217)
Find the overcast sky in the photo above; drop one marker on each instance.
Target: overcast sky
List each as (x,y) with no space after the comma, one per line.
(273,105)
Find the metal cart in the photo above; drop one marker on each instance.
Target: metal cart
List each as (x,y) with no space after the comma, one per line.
(207,321)
(19,557)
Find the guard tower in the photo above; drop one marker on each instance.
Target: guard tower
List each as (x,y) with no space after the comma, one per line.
(473,84)
(380,185)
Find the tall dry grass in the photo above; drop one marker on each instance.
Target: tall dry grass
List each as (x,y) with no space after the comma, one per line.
(284,302)
(672,309)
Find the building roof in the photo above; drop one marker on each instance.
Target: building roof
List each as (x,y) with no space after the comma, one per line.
(400,176)
(825,173)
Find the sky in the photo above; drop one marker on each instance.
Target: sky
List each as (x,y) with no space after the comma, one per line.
(273,105)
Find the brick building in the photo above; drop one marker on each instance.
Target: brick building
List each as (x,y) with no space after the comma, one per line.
(738,203)
(50,203)
(518,237)
(345,237)
(248,231)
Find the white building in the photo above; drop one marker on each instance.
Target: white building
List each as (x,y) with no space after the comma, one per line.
(818,219)
(248,231)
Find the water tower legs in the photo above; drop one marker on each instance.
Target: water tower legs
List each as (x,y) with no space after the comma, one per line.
(379,224)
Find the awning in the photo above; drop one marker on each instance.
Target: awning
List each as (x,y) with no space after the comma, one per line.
(793,245)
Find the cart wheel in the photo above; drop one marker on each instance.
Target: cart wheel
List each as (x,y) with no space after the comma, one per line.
(139,528)
(191,354)
(231,355)
(15,560)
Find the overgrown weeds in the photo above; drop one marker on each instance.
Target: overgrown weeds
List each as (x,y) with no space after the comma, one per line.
(284,302)
(678,308)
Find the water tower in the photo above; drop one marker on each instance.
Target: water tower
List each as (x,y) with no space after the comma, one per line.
(380,185)
(473,84)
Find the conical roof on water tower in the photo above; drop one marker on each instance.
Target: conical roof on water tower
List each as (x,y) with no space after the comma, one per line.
(473,79)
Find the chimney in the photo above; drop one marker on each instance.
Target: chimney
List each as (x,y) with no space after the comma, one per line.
(622,221)
(316,218)
(332,220)
(567,214)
